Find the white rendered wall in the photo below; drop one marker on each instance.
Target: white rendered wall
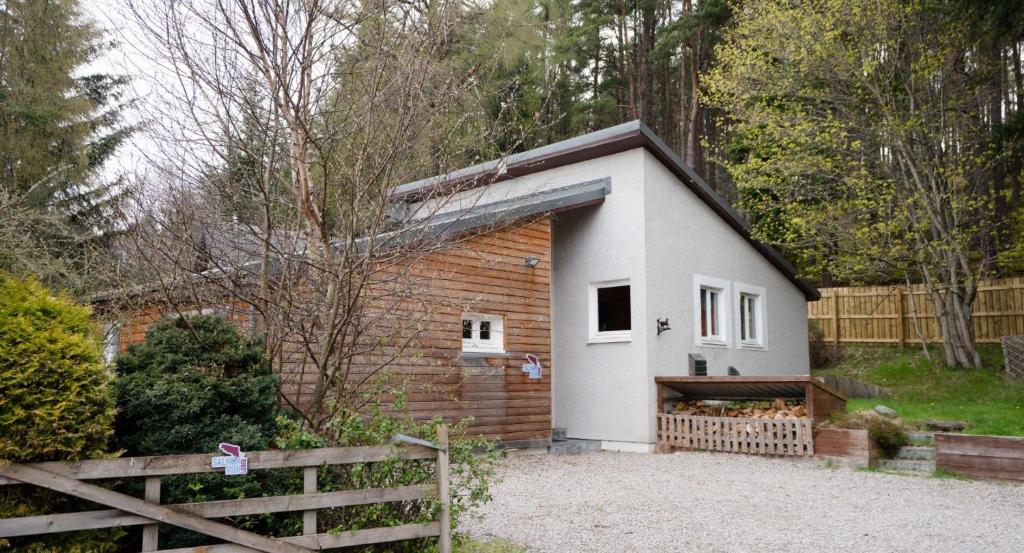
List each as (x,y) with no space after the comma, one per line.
(685,237)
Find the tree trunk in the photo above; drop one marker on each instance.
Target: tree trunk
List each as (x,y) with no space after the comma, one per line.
(692,154)
(645,74)
(953,312)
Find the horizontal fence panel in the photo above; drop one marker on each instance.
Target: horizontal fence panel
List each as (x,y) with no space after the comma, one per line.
(899,314)
(127,467)
(90,520)
(351,538)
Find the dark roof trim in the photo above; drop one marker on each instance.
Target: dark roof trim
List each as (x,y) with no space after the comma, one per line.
(511,209)
(612,140)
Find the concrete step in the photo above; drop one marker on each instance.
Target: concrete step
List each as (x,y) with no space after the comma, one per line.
(920,436)
(573,446)
(916,453)
(907,465)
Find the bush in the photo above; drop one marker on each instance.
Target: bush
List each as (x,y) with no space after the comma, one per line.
(192,384)
(888,434)
(55,402)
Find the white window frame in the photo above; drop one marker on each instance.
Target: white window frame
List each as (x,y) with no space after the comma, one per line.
(111,341)
(609,336)
(740,289)
(495,344)
(724,289)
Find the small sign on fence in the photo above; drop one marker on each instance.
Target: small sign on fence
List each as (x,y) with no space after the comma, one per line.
(234,462)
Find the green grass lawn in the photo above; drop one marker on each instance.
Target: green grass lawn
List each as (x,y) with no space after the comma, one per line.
(989,401)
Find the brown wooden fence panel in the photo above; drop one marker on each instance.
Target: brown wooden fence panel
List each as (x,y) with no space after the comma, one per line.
(900,314)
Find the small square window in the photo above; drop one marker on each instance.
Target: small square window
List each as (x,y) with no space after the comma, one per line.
(613,308)
(610,312)
(482,333)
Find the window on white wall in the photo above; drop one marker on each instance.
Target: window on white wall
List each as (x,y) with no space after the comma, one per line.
(750,308)
(482,333)
(610,312)
(711,301)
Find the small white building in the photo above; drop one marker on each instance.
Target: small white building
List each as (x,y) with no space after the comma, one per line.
(636,237)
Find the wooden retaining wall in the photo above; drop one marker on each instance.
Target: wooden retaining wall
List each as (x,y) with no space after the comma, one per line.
(735,435)
(885,314)
(986,456)
(853,447)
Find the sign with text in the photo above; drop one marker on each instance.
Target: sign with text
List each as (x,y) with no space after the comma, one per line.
(233,462)
(532,367)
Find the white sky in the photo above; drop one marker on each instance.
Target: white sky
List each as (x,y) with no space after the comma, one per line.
(124,59)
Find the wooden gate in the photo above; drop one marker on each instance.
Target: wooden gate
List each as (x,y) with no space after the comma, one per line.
(69,477)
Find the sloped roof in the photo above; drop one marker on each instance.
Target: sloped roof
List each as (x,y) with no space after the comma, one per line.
(612,140)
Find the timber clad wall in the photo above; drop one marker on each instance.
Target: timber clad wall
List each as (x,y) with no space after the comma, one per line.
(886,314)
(484,274)
(487,274)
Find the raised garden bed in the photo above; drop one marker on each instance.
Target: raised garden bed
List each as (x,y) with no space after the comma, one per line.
(853,447)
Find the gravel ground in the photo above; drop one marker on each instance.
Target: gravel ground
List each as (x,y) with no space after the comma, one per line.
(619,502)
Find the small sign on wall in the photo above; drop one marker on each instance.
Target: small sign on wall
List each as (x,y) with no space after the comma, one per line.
(532,367)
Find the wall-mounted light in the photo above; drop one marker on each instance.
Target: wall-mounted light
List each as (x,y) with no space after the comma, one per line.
(531,261)
(663,325)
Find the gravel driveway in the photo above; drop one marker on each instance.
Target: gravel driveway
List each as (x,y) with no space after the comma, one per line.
(720,502)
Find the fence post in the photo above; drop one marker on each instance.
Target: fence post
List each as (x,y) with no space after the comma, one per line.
(444,541)
(835,315)
(151,532)
(899,318)
(309,486)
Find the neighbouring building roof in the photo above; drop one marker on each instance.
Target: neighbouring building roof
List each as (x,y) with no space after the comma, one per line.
(612,140)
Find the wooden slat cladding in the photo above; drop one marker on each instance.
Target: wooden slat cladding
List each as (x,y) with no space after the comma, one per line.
(483,274)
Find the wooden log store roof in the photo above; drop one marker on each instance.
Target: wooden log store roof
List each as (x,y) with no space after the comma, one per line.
(744,388)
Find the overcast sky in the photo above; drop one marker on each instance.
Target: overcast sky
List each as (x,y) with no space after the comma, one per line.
(127,60)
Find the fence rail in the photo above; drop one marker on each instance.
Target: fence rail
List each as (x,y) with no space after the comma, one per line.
(736,435)
(69,478)
(898,314)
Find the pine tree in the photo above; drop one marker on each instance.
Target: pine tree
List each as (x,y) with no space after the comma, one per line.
(58,127)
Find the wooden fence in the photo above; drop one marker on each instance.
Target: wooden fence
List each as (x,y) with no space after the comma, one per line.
(736,435)
(886,314)
(68,478)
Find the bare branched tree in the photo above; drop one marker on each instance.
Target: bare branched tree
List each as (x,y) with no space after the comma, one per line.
(284,126)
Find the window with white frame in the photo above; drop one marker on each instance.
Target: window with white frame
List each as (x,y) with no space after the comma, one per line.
(711,301)
(750,311)
(482,333)
(610,312)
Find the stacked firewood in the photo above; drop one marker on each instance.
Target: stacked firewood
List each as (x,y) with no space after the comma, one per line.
(778,409)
